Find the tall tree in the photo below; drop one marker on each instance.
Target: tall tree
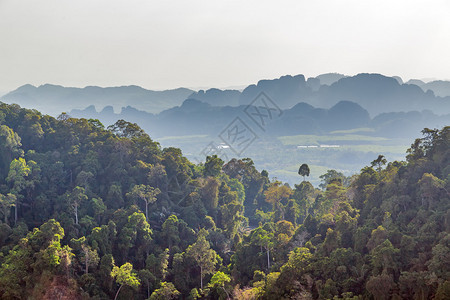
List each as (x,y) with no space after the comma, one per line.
(88,256)
(264,239)
(6,202)
(145,193)
(379,163)
(170,231)
(218,282)
(10,144)
(278,195)
(125,276)
(76,198)
(303,171)
(202,254)
(18,171)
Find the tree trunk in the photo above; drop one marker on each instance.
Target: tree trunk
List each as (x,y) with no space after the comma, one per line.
(118,292)
(268,260)
(228,296)
(15,213)
(146,210)
(201,278)
(76,213)
(176,181)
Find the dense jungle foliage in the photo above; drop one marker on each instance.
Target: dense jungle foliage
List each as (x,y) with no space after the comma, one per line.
(89,212)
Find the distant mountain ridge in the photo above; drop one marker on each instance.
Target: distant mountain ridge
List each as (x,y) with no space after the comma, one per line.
(54,99)
(381,94)
(440,88)
(375,92)
(195,117)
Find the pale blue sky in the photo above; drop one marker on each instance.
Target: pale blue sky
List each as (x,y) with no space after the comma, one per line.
(167,44)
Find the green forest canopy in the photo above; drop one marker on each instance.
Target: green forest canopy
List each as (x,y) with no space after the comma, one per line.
(89,212)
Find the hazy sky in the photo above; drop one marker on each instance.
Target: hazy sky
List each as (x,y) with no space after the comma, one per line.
(167,44)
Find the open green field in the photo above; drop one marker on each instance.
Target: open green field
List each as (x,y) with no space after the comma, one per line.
(400,149)
(353,131)
(182,138)
(299,140)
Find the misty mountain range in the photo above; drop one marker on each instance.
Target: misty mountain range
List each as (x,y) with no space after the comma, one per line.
(195,117)
(439,87)
(54,99)
(374,92)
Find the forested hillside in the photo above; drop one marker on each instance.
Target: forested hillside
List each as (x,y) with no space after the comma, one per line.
(89,212)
